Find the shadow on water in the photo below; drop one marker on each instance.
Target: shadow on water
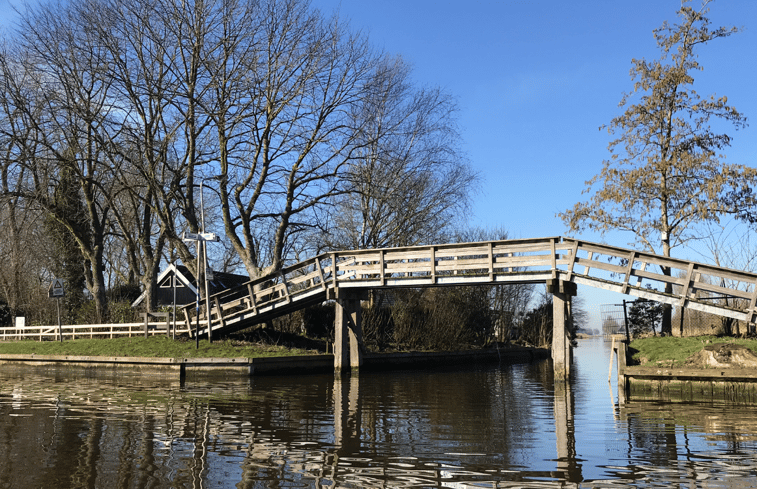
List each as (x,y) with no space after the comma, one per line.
(507,426)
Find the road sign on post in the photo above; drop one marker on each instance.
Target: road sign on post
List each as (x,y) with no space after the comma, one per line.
(56,289)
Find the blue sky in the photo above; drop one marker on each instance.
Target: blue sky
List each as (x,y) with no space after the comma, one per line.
(535,80)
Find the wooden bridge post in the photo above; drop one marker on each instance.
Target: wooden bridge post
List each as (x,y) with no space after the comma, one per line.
(348,333)
(562,292)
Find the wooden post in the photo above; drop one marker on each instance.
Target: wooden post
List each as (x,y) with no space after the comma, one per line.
(562,292)
(348,335)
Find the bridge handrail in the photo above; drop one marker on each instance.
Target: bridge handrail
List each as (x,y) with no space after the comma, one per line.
(699,283)
(500,261)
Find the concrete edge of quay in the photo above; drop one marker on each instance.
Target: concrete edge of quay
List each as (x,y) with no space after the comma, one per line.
(245,367)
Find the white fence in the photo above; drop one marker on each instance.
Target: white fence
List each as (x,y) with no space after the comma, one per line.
(75,331)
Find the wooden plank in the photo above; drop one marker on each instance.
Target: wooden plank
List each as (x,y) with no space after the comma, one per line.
(725,273)
(491,262)
(717,289)
(432,252)
(188,322)
(752,310)
(382,268)
(638,277)
(412,266)
(589,263)
(687,285)
(219,308)
(320,273)
(553,254)
(658,277)
(461,252)
(629,270)
(251,295)
(589,259)
(573,255)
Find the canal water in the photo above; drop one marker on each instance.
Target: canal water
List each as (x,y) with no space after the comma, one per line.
(494,426)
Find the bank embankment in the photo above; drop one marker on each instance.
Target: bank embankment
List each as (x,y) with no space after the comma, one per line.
(244,367)
(712,370)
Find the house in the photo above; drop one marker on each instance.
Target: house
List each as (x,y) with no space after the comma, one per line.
(186,290)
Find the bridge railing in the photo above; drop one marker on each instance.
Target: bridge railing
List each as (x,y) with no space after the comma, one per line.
(526,260)
(698,286)
(258,297)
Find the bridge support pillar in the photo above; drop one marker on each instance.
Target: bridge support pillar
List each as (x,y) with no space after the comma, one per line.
(562,319)
(348,333)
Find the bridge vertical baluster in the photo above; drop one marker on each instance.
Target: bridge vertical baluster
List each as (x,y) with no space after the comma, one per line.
(629,271)
(491,261)
(220,312)
(432,251)
(382,270)
(251,293)
(285,287)
(752,312)
(553,251)
(687,285)
(320,272)
(574,254)
(188,322)
(334,272)
(587,267)
(643,269)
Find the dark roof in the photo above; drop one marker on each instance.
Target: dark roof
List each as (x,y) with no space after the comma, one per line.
(221,280)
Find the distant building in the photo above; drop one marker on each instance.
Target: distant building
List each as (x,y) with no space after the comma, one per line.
(186,289)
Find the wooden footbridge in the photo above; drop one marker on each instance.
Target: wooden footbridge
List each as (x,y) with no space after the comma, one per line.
(561,263)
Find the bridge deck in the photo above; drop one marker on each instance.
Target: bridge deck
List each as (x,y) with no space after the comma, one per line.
(698,286)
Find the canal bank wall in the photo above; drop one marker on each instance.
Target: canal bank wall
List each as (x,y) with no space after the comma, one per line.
(678,384)
(245,367)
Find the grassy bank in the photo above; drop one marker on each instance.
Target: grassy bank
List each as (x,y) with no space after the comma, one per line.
(672,351)
(156,346)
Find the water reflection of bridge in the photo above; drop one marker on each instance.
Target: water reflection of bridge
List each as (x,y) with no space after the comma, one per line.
(560,263)
(100,432)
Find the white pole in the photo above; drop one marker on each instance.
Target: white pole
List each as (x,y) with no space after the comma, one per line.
(612,351)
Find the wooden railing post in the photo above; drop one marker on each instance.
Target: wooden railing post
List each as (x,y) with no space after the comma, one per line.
(220,312)
(382,268)
(320,273)
(286,288)
(553,254)
(251,294)
(433,264)
(491,261)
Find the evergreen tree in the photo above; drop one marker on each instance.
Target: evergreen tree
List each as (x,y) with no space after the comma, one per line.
(68,262)
(644,316)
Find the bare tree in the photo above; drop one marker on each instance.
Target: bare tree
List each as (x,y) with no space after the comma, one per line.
(665,175)
(408,180)
(56,106)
